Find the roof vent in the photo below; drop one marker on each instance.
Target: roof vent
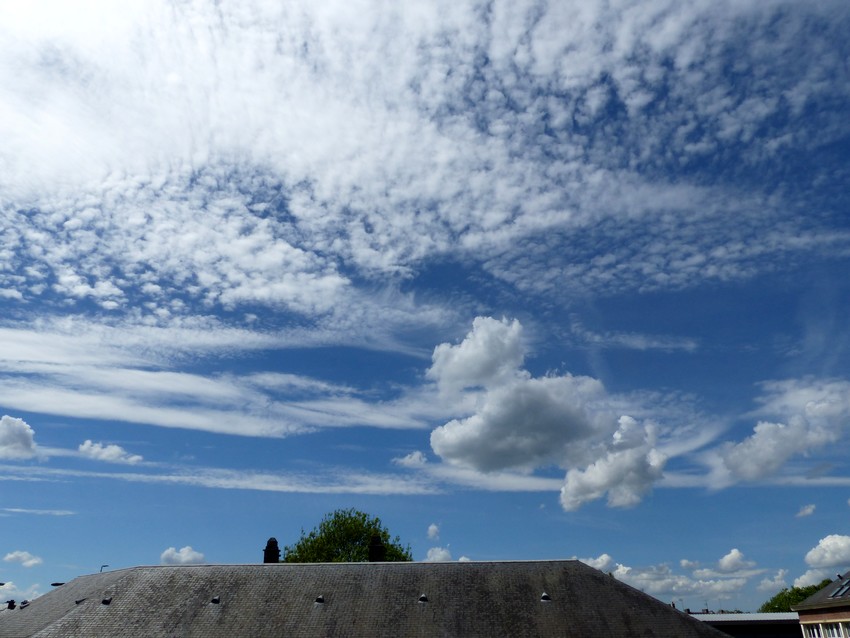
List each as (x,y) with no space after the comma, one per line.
(215,600)
(10,604)
(78,601)
(545,598)
(25,603)
(106,601)
(320,600)
(423,598)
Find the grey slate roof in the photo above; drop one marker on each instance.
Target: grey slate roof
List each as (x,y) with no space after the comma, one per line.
(360,599)
(836,594)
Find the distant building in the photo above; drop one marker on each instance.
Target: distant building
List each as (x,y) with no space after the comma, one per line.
(773,625)
(370,600)
(826,613)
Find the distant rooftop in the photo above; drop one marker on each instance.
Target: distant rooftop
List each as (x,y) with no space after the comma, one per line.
(836,594)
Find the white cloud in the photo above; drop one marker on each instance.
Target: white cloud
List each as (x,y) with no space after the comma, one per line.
(438,554)
(183,556)
(734,561)
(204,210)
(110,453)
(523,423)
(604,562)
(632,341)
(806,510)
(135,381)
(20,510)
(733,564)
(433,531)
(770,446)
(9,590)
(831,551)
(519,421)
(662,582)
(813,577)
(24,558)
(774,584)
(811,414)
(831,554)
(491,353)
(334,481)
(627,471)
(16,439)
(342,179)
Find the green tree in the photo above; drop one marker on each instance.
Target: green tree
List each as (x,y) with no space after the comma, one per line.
(791,596)
(344,536)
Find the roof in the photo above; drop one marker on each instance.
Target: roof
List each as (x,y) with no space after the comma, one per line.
(350,599)
(788,617)
(836,594)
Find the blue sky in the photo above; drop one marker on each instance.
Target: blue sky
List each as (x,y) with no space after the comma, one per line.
(526,280)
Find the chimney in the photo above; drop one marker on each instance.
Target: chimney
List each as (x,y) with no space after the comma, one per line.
(377,551)
(271,554)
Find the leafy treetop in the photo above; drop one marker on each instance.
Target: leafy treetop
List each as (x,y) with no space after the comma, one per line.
(791,596)
(344,536)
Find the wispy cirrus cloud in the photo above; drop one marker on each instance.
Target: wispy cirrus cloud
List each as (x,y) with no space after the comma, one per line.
(328,481)
(36,512)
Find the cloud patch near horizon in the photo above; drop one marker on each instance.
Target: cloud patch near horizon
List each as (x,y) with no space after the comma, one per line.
(663,582)
(183,556)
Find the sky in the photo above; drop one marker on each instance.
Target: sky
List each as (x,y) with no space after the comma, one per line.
(524,279)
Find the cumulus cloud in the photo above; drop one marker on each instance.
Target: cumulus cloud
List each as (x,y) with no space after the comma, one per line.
(771,445)
(775,583)
(805,415)
(490,353)
(661,581)
(183,556)
(24,558)
(522,422)
(734,561)
(438,554)
(110,453)
(806,510)
(832,552)
(519,421)
(16,439)
(433,531)
(627,471)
